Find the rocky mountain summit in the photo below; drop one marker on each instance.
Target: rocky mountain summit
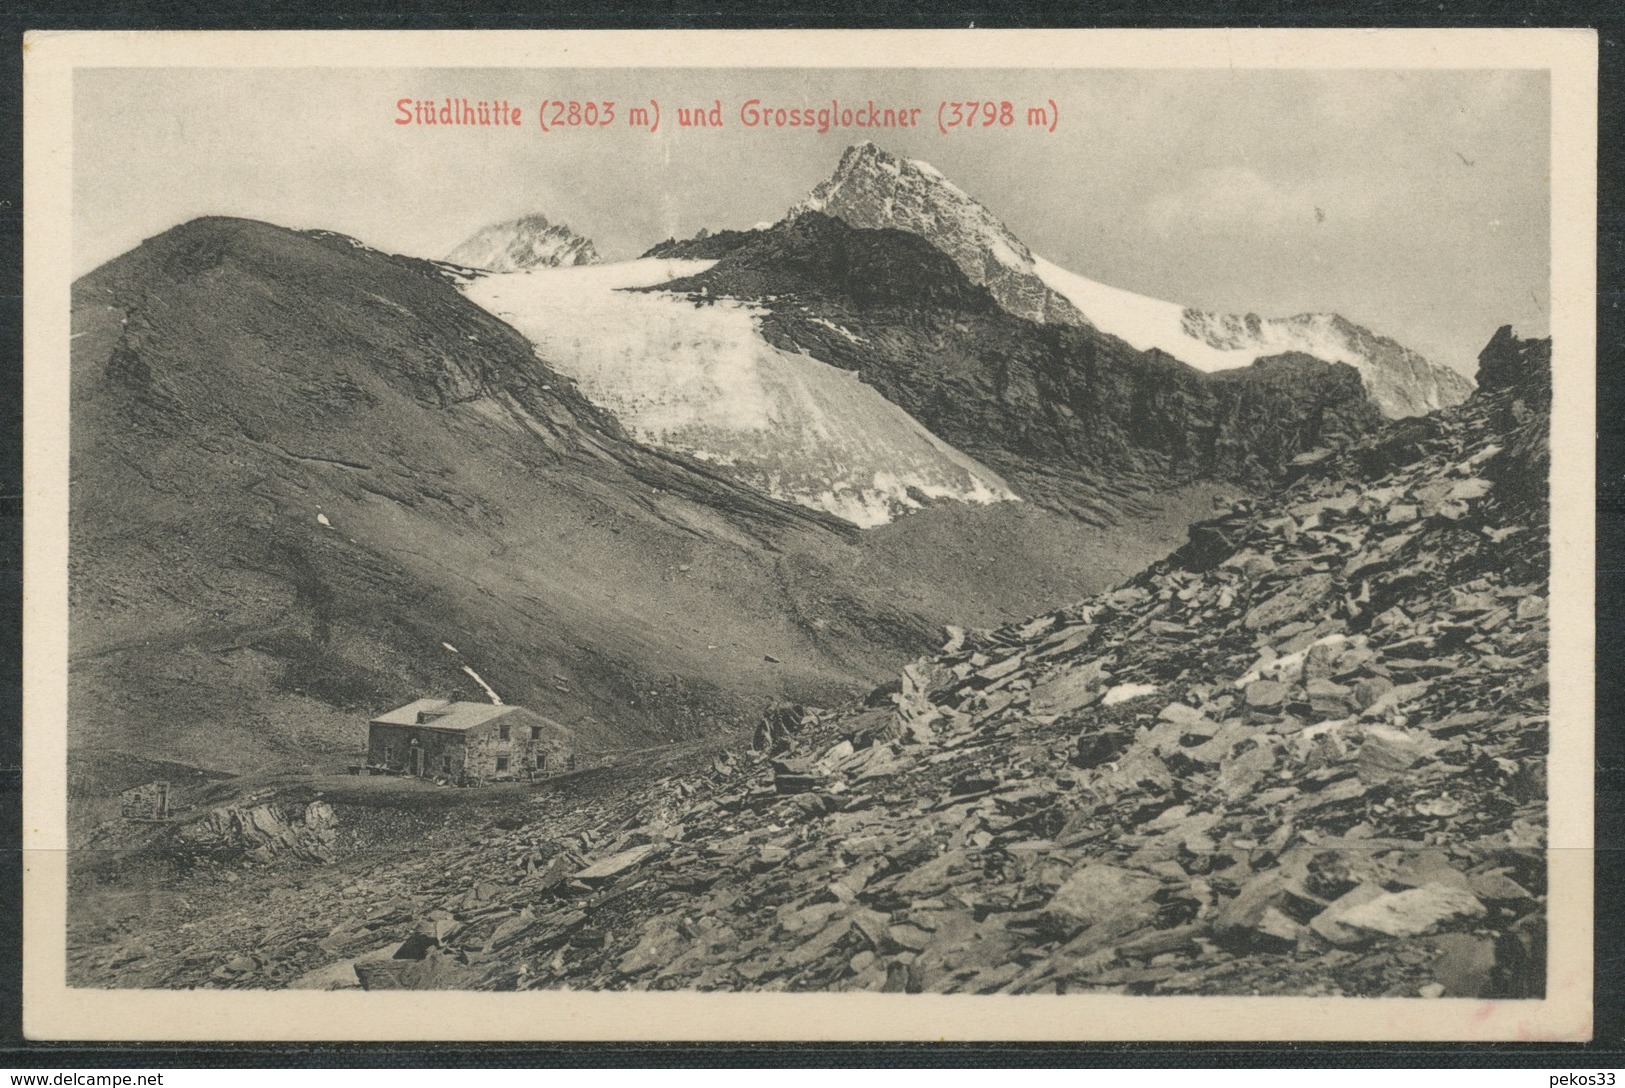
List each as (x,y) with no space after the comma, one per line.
(531,241)
(873,188)
(1305,755)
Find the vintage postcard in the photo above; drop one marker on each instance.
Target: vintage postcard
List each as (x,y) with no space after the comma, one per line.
(839,535)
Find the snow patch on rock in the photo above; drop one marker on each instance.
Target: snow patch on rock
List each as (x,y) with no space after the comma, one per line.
(496,700)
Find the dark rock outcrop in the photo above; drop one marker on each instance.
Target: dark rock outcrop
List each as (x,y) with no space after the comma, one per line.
(1521,370)
(1508,362)
(1399,381)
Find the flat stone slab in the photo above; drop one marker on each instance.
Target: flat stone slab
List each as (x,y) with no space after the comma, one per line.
(616,864)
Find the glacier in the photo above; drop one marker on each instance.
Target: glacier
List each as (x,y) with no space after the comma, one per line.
(694,375)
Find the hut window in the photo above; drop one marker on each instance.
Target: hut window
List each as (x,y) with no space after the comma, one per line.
(503,731)
(535,732)
(502,763)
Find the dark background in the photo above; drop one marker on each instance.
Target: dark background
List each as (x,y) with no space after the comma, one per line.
(1608,1048)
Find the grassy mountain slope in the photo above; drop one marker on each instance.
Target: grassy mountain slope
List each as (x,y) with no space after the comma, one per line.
(301,469)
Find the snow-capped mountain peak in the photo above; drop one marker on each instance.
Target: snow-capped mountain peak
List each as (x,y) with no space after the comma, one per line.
(872,188)
(531,241)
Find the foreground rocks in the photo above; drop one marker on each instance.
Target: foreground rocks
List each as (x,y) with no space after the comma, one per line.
(261,832)
(1307,755)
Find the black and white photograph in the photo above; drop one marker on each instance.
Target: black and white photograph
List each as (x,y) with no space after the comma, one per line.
(988,531)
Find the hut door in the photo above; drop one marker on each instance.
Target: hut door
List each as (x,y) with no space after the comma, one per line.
(417,762)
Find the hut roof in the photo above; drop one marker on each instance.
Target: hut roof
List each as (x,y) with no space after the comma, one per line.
(458,717)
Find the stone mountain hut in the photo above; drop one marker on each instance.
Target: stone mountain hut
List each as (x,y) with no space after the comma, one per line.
(466,742)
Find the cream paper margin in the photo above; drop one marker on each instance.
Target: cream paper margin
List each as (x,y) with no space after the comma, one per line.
(52,1011)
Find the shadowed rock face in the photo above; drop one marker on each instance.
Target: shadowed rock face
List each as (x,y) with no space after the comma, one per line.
(1509,362)
(1070,416)
(1522,371)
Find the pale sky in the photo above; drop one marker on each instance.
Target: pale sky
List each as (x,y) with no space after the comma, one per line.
(1415,203)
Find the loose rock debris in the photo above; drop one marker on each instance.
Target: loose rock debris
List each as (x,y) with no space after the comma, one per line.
(1306,755)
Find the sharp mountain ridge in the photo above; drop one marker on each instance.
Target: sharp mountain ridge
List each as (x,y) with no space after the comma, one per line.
(873,188)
